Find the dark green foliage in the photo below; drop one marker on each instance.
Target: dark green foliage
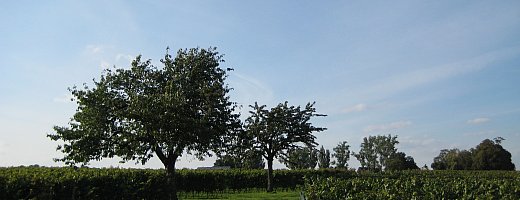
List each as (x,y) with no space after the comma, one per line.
(323,158)
(300,158)
(416,184)
(399,161)
(146,111)
(275,131)
(342,155)
(490,155)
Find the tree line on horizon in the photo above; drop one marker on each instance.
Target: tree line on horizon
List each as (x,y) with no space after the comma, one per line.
(183,107)
(378,153)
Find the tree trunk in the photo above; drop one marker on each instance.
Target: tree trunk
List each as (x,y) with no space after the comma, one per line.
(270,174)
(172,186)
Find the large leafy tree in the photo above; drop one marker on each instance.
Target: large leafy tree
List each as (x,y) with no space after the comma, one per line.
(300,158)
(145,111)
(279,129)
(375,151)
(342,155)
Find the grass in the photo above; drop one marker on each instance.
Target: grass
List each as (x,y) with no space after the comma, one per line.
(253,195)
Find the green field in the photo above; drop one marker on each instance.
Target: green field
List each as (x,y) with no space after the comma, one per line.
(114,183)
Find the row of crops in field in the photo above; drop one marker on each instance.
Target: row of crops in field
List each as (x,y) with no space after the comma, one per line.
(417,185)
(114,183)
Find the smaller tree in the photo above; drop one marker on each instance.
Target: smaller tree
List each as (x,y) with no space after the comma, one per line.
(342,155)
(323,158)
(282,128)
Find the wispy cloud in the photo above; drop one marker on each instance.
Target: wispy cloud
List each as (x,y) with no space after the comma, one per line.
(480,120)
(356,108)
(248,90)
(423,76)
(387,127)
(65,98)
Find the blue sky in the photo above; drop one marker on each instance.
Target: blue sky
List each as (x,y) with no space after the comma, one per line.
(439,74)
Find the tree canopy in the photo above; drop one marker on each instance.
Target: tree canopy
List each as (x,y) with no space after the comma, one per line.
(143,111)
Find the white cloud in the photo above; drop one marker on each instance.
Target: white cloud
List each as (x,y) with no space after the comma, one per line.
(387,127)
(124,57)
(478,120)
(356,108)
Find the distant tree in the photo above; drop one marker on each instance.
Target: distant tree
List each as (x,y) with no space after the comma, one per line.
(253,160)
(323,158)
(280,129)
(237,152)
(249,160)
(490,155)
(375,150)
(399,161)
(143,111)
(227,160)
(300,158)
(342,155)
